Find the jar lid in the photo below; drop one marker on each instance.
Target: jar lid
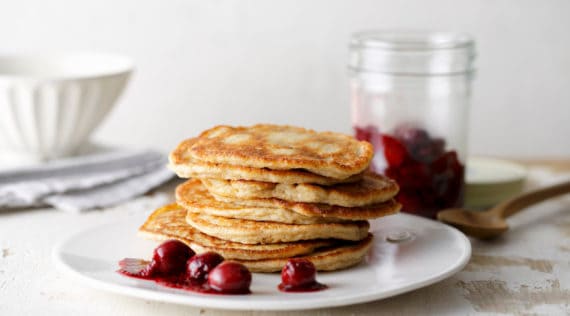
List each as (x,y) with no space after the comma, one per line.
(412,52)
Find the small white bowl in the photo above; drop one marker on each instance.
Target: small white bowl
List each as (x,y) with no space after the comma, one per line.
(50,104)
(491,181)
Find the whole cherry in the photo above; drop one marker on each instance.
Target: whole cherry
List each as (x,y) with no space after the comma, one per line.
(230,277)
(169,258)
(298,272)
(198,267)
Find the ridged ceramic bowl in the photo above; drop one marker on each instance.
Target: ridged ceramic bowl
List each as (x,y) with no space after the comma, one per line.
(49,105)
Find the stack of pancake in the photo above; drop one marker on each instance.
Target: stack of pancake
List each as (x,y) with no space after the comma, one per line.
(262,194)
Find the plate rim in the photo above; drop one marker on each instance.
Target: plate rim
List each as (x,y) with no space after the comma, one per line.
(243,305)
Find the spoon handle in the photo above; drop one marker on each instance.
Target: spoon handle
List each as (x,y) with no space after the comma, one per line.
(514,205)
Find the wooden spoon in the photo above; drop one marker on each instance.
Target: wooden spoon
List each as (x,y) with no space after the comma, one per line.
(491,223)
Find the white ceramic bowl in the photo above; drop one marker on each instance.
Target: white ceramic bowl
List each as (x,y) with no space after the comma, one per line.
(491,181)
(50,104)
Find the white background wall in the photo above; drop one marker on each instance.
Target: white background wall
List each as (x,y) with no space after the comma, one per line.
(201,63)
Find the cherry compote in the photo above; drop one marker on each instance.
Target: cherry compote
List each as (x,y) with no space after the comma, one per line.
(299,275)
(430,177)
(175,265)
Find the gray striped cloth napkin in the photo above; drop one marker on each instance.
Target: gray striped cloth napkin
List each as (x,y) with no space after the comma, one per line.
(84,183)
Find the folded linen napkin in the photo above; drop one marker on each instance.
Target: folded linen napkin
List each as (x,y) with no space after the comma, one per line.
(86,182)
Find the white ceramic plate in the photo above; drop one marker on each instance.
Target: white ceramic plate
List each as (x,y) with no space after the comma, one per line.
(431,252)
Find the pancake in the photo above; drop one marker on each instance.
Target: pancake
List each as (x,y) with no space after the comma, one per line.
(169,222)
(281,147)
(372,189)
(194,197)
(321,210)
(254,232)
(187,167)
(329,259)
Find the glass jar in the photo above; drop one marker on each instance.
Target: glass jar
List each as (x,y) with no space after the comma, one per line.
(410,96)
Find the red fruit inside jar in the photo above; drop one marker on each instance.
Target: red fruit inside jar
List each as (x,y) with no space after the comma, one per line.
(230,278)
(430,178)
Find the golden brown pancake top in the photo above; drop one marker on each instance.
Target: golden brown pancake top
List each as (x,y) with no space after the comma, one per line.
(182,163)
(282,147)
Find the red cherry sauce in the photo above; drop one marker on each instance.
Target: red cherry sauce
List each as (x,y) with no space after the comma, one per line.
(169,267)
(313,287)
(430,178)
(299,275)
(180,281)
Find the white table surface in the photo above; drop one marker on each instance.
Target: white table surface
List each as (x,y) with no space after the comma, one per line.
(526,272)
